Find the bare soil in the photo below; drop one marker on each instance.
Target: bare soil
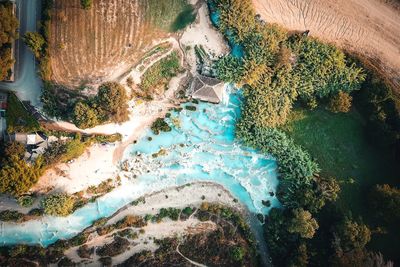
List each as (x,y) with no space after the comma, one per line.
(368,27)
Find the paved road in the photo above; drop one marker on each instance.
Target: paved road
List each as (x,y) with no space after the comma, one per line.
(27,84)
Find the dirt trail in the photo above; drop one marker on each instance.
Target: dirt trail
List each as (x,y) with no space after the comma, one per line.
(368,27)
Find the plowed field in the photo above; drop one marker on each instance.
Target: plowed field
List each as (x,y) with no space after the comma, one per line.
(91,46)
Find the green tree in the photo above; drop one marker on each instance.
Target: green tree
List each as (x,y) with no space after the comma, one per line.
(385,201)
(58,205)
(237,253)
(352,235)
(341,102)
(112,102)
(9,24)
(35,42)
(299,257)
(303,223)
(86,4)
(6,62)
(18,176)
(85,116)
(14,149)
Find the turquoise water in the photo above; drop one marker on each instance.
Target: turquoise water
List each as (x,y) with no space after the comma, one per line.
(201,147)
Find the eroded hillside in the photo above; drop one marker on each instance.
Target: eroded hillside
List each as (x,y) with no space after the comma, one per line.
(369,27)
(90,46)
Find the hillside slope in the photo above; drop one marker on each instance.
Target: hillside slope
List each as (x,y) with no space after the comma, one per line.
(369,27)
(91,46)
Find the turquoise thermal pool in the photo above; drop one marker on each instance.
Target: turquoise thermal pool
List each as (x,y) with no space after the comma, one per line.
(200,147)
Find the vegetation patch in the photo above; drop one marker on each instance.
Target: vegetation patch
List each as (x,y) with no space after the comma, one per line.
(58,204)
(186,17)
(158,76)
(8,33)
(19,120)
(160,125)
(279,71)
(169,15)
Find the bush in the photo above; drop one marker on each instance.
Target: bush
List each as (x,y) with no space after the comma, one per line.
(118,246)
(160,125)
(237,253)
(11,215)
(58,205)
(35,42)
(18,118)
(385,201)
(85,116)
(18,176)
(191,108)
(303,223)
(8,33)
(14,148)
(112,103)
(25,201)
(86,4)
(340,102)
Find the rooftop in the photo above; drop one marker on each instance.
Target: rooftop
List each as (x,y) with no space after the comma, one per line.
(207,89)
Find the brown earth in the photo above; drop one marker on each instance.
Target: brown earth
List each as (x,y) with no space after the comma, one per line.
(91,46)
(368,27)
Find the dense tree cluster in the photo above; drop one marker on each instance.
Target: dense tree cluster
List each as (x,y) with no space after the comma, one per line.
(58,204)
(8,33)
(18,176)
(277,68)
(385,201)
(35,42)
(109,105)
(340,102)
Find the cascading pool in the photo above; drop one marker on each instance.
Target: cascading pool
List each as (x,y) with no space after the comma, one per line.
(200,147)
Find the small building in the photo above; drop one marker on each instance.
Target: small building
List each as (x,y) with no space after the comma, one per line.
(207,89)
(35,143)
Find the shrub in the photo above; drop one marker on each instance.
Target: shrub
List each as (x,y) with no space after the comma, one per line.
(18,118)
(191,108)
(237,253)
(11,215)
(85,116)
(340,102)
(18,176)
(160,125)
(25,201)
(58,205)
(385,201)
(118,246)
(112,103)
(14,148)
(35,42)
(303,223)
(86,4)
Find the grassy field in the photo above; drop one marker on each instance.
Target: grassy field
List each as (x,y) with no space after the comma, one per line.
(169,15)
(339,144)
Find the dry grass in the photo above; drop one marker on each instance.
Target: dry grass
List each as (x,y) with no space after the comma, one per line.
(91,46)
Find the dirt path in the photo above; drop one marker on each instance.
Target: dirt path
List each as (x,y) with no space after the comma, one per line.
(368,27)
